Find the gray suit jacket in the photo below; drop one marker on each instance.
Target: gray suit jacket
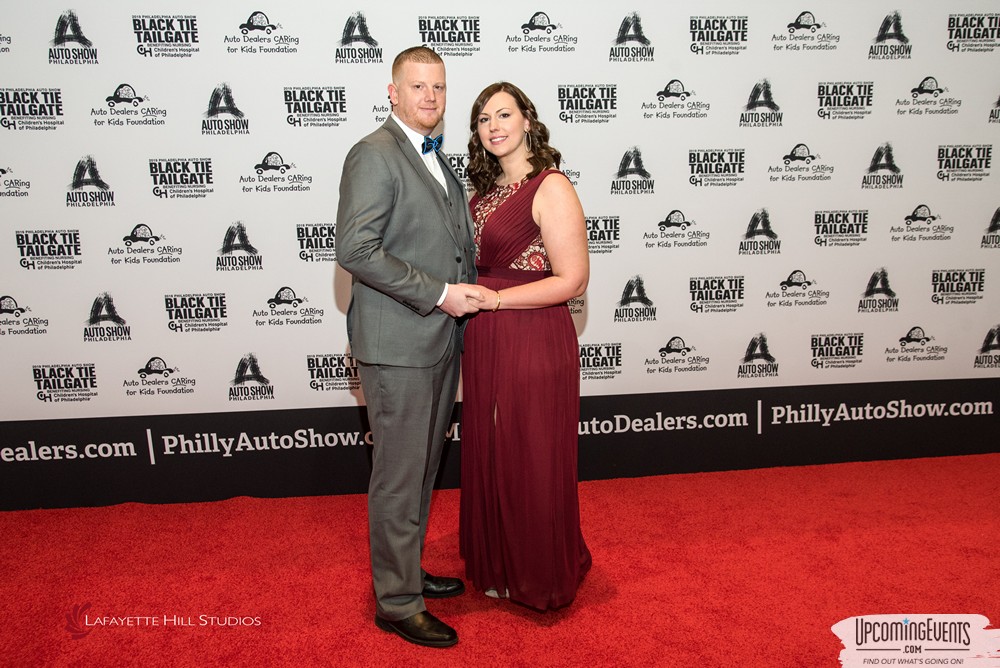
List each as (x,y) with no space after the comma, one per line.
(402,240)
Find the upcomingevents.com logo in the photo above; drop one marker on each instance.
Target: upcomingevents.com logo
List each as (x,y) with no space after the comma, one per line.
(929,639)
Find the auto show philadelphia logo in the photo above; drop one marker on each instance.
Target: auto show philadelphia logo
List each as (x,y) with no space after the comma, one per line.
(883,173)
(357,46)
(223,117)
(758,362)
(879,297)
(70,46)
(31,108)
(988,356)
(991,239)
(631,44)
(917,639)
(105,324)
(635,305)
(88,189)
(249,384)
(632,177)
(237,253)
(891,42)
(761,111)
(760,238)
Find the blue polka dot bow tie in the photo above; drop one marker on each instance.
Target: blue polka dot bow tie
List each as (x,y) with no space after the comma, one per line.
(432,144)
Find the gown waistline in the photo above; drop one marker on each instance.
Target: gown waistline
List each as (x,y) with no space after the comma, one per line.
(522,275)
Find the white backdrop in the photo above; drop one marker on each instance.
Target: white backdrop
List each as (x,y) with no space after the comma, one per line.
(596,85)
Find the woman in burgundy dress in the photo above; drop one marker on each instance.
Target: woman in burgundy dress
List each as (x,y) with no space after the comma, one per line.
(520,517)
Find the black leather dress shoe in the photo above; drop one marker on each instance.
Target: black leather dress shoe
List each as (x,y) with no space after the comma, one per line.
(441,587)
(422,628)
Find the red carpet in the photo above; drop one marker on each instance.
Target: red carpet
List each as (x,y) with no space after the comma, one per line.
(746,568)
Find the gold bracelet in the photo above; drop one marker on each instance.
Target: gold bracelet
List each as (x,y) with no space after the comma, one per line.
(497,307)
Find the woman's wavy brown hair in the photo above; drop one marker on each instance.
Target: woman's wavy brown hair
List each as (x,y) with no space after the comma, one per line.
(483,168)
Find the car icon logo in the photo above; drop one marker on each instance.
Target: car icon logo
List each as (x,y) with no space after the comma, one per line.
(921,214)
(538,21)
(675,219)
(804,21)
(140,234)
(673,89)
(258,21)
(929,86)
(9,305)
(272,161)
(796,279)
(800,152)
(675,345)
(915,335)
(284,296)
(124,94)
(155,365)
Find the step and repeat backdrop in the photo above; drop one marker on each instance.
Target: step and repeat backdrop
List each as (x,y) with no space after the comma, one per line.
(793,216)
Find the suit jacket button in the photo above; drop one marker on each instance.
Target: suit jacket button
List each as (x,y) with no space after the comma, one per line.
(458,259)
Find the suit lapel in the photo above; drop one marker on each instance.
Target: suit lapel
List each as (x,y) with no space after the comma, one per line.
(419,168)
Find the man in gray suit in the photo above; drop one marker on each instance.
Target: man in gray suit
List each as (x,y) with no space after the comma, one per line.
(405,234)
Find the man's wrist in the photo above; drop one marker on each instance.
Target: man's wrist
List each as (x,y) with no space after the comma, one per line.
(444,295)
